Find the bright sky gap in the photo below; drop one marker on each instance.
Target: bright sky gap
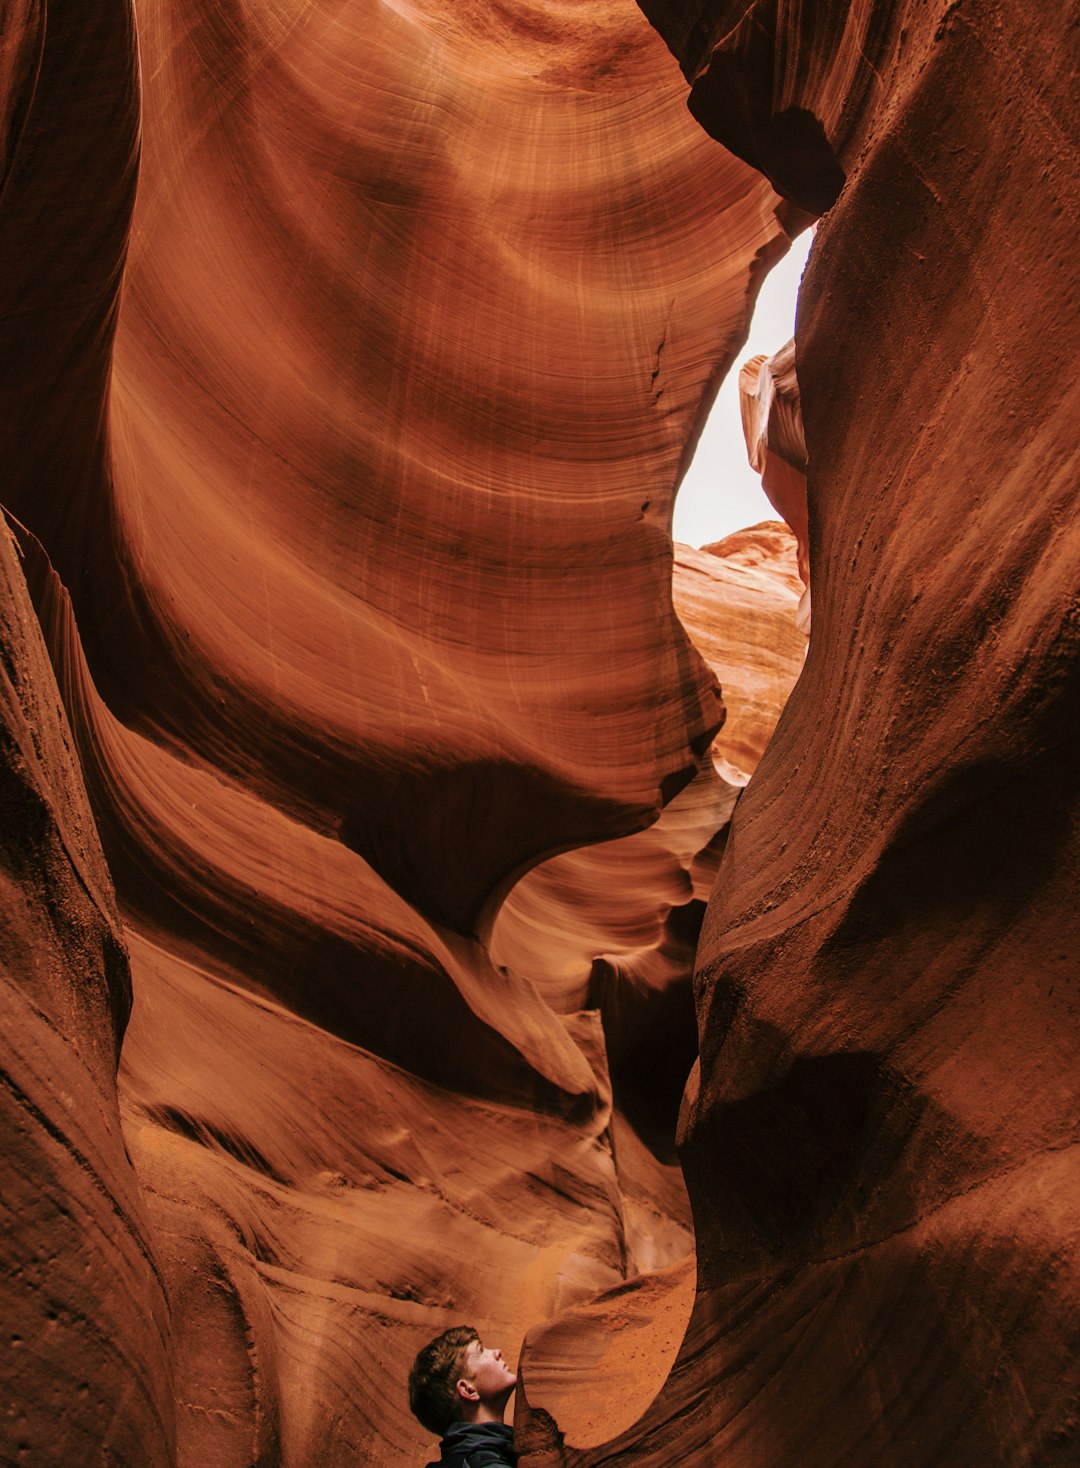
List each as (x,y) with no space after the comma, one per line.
(721,492)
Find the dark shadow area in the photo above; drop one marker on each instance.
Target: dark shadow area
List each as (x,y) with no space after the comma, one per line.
(651,1031)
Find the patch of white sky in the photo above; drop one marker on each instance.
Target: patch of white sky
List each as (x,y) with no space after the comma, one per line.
(720,492)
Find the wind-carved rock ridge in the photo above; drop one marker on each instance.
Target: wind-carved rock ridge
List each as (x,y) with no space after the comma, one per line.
(85,1310)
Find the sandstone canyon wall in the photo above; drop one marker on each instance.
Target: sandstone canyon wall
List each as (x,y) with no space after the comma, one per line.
(350,357)
(879,1139)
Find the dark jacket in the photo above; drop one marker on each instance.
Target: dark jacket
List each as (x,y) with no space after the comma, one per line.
(477,1445)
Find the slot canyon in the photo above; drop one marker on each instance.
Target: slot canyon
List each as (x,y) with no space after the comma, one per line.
(430,895)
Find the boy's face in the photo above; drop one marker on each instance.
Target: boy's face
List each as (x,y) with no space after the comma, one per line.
(488,1372)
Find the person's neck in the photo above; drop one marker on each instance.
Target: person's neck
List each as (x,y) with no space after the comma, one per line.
(487,1412)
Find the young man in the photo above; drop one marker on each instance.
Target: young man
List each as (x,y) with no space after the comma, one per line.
(459,1388)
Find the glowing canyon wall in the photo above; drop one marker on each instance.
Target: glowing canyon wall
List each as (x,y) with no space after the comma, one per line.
(350,355)
(361,793)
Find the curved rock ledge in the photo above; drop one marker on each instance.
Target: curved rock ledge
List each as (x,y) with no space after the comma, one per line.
(85,1315)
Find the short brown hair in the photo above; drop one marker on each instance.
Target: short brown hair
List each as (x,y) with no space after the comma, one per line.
(434,1377)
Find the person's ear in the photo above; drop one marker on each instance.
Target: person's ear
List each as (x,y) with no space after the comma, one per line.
(466,1389)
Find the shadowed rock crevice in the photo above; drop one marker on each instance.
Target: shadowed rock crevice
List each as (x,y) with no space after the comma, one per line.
(649,1028)
(784,1159)
(990,835)
(790,147)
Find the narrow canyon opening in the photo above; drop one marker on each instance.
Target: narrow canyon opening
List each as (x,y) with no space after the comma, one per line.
(721,492)
(609,932)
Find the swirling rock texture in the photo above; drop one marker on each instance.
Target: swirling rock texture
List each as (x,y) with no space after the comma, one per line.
(343,489)
(614,927)
(880,1137)
(341,473)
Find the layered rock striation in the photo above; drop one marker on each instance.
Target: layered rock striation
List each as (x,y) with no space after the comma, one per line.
(86,1315)
(880,1136)
(614,926)
(340,465)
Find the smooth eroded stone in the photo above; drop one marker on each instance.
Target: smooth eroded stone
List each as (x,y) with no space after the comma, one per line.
(344,497)
(419,314)
(776,446)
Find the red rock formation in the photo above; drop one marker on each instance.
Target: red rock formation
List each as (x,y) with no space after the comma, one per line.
(616,926)
(737,601)
(327,414)
(85,1319)
(613,927)
(352,560)
(880,1142)
(772,425)
(353,565)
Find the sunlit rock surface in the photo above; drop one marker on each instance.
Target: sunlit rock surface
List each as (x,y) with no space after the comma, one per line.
(402,382)
(342,470)
(776,446)
(880,1141)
